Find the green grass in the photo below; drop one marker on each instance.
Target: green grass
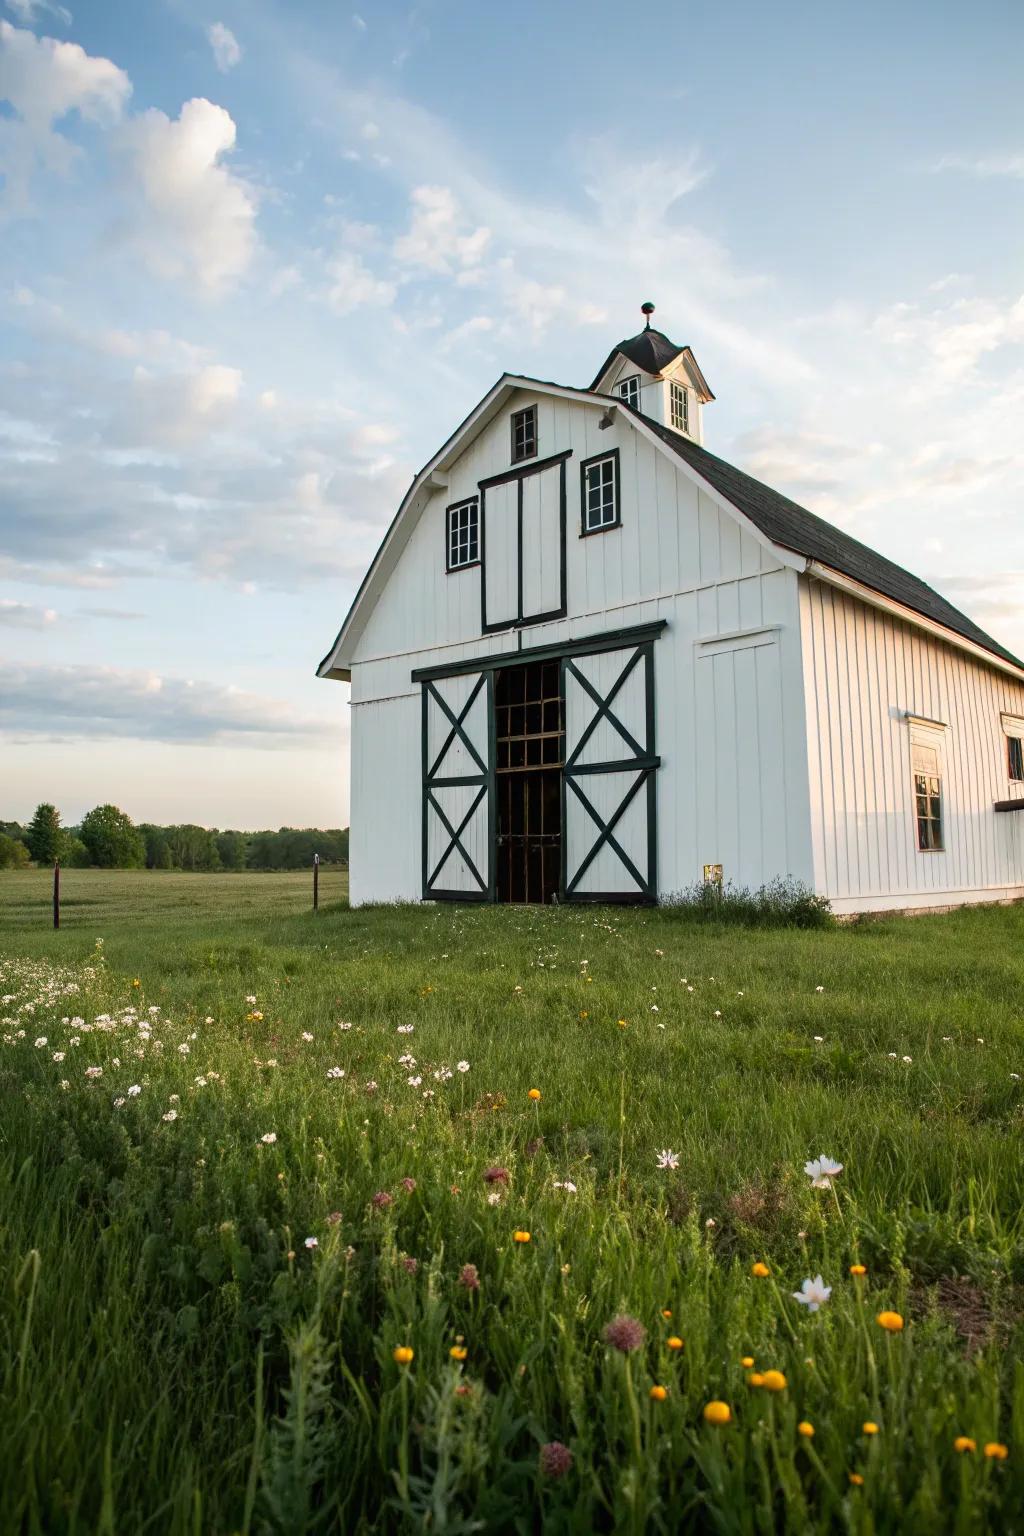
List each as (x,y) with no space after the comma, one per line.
(174,1358)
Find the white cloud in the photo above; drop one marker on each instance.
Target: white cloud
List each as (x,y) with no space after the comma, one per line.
(353,285)
(226,47)
(199,217)
(435,240)
(44,81)
(30,11)
(1011,165)
(25,615)
(358,22)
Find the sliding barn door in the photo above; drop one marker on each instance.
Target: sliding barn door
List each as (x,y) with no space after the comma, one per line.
(458,788)
(609,820)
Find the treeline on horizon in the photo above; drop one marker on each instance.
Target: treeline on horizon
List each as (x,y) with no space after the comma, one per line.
(107,838)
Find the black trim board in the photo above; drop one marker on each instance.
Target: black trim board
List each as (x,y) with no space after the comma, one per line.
(604,640)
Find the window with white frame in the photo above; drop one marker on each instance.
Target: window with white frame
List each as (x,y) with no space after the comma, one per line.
(600,483)
(463,534)
(1013,726)
(926,768)
(679,406)
(524,434)
(629,390)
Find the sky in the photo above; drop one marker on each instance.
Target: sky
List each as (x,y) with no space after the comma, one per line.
(259,258)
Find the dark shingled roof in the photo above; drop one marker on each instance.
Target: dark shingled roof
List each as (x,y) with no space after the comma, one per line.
(792,526)
(651,350)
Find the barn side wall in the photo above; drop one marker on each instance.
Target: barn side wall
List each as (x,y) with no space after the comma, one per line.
(864,673)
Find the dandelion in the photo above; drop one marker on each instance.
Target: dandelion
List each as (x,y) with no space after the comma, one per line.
(625,1333)
(760,1271)
(534,1094)
(806,1429)
(717,1412)
(869,1427)
(469,1277)
(402,1354)
(658,1394)
(521,1237)
(268,1138)
(813,1294)
(668,1159)
(312,1242)
(556,1460)
(996,1451)
(674,1342)
(458,1352)
(964,1443)
(172,1114)
(892,1322)
(774,1381)
(857,1270)
(821,1171)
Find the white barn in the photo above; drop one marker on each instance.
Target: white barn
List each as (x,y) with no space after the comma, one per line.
(593,662)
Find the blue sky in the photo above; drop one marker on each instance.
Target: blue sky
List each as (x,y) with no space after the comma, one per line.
(257,260)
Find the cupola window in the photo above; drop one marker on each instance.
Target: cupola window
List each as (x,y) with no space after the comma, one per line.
(629,390)
(679,405)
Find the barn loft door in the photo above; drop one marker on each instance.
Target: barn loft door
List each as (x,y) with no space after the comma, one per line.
(458,788)
(522,545)
(609,820)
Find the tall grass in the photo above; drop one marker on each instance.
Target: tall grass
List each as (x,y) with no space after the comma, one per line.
(173,1357)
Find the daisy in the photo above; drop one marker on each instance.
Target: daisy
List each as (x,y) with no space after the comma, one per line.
(813,1294)
(822,1171)
(667,1159)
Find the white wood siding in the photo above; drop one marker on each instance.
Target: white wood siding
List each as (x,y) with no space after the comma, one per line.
(864,672)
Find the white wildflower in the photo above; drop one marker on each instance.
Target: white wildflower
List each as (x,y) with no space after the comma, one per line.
(812,1294)
(172,1114)
(822,1171)
(268,1138)
(668,1159)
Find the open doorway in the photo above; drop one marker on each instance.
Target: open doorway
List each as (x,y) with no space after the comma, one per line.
(528,741)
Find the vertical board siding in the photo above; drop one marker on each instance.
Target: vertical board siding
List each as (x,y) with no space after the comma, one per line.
(864,671)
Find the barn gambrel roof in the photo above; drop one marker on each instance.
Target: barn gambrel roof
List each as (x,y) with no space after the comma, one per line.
(791,530)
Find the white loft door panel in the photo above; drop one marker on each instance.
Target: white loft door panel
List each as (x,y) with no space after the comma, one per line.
(501,553)
(543,542)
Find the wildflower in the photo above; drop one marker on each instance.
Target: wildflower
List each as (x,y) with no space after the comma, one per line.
(718,1013)
(402,1355)
(405,1029)
(408,1185)
(964,1443)
(312,1242)
(760,1271)
(469,1277)
(819,1039)
(306,1036)
(755,1379)
(58,1055)
(94,1071)
(666,1311)
(172,1114)
(858,1269)
(711,1222)
(813,1294)
(566,1184)
(136,981)
(892,1322)
(534,1094)
(268,1138)
(821,1171)
(494,1198)
(414,1081)
(869,1427)
(250,999)
(41,1042)
(659,1394)
(625,1333)
(119,1102)
(668,1159)
(996,1451)
(496,1175)
(774,1381)
(462,1066)
(819,989)
(382,1200)
(335,1072)
(458,1352)
(908,1060)
(409,1265)
(806,1429)
(344,1024)
(747,1362)
(674,1342)
(556,1460)
(717,1412)
(521,1237)
(333,1219)
(856,1480)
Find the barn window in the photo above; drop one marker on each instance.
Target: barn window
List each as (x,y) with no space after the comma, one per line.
(464,534)
(600,487)
(927,773)
(629,390)
(1014,728)
(524,434)
(679,403)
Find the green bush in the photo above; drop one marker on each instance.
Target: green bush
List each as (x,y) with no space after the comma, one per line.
(779,904)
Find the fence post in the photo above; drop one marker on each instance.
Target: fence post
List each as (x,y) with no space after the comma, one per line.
(316,881)
(56,893)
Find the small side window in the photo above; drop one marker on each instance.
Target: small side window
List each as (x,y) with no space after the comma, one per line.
(463,535)
(679,405)
(600,493)
(1015,747)
(927,770)
(524,434)
(629,390)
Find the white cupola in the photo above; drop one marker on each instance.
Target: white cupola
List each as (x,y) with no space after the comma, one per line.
(658,379)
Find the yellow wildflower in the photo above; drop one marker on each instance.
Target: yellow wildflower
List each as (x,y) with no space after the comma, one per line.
(402,1355)
(534,1093)
(996,1451)
(659,1394)
(870,1427)
(674,1342)
(717,1412)
(856,1480)
(774,1381)
(458,1352)
(521,1237)
(760,1271)
(964,1443)
(892,1322)
(806,1429)
(858,1270)
(747,1362)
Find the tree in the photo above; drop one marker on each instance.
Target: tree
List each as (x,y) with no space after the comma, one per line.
(43,834)
(74,854)
(13,853)
(192,847)
(112,839)
(232,848)
(158,854)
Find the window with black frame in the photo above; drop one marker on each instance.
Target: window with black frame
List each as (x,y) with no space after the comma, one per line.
(600,487)
(927,797)
(629,390)
(524,434)
(463,541)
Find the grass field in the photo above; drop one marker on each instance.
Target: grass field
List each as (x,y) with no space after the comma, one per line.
(214,1244)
